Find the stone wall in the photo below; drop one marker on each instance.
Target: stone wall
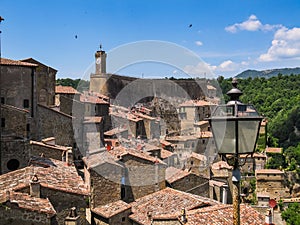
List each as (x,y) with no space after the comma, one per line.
(142,177)
(55,124)
(16,121)
(63,202)
(193,88)
(52,152)
(45,82)
(13,215)
(15,154)
(105,190)
(193,184)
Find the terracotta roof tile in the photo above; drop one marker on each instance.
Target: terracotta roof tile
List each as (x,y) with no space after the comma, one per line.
(121,151)
(274,150)
(52,173)
(111,209)
(54,147)
(114,131)
(10,62)
(198,156)
(166,201)
(223,214)
(92,99)
(268,171)
(173,174)
(27,202)
(165,154)
(65,90)
(195,103)
(92,119)
(221,165)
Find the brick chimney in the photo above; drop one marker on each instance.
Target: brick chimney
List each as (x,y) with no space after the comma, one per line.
(35,187)
(73,218)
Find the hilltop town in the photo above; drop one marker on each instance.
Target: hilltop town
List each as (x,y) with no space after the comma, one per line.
(103,156)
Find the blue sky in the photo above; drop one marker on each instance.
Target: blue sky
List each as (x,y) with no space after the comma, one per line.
(230,36)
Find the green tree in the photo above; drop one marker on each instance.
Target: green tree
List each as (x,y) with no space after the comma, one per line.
(292,214)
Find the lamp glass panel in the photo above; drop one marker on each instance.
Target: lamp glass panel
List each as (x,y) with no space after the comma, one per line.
(248,131)
(224,135)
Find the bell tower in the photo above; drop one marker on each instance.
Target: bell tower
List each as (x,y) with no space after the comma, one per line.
(100,58)
(98,80)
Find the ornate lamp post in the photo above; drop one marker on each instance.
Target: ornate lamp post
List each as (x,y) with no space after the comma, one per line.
(235,128)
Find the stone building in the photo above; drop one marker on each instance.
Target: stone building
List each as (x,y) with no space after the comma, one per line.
(271,182)
(42,193)
(53,123)
(188,182)
(65,97)
(48,149)
(166,202)
(256,162)
(102,176)
(193,111)
(45,82)
(113,213)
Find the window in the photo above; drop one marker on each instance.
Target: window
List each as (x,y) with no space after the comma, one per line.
(26,103)
(2,122)
(28,127)
(123,219)
(2,100)
(13,164)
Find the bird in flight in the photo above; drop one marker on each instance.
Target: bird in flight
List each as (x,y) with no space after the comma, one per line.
(190,25)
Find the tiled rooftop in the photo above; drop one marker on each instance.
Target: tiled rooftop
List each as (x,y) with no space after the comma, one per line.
(122,151)
(268,171)
(114,131)
(220,165)
(52,174)
(54,147)
(198,156)
(25,201)
(273,150)
(65,90)
(223,215)
(92,119)
(195,103)
(165,153)
(92,99)
(10,62)
(95,160)
(173,174)
(165,202)
(111,209)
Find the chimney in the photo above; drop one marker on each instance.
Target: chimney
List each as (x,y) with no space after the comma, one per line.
(73,218)
(35,187)
(224,194)
(269,217)
(69,157)
(183,219)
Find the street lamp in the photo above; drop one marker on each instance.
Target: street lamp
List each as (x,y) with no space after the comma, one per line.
(235,128)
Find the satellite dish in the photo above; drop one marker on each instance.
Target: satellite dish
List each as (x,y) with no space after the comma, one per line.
(272,203)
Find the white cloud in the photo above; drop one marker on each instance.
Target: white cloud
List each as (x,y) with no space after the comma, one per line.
(285,44)
(251,24)
(207,69)
(200,69)
(227,66)
(198,43)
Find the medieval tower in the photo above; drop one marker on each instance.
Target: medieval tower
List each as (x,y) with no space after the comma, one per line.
(98,80)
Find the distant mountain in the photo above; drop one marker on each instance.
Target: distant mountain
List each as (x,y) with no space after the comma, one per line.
(268,73)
